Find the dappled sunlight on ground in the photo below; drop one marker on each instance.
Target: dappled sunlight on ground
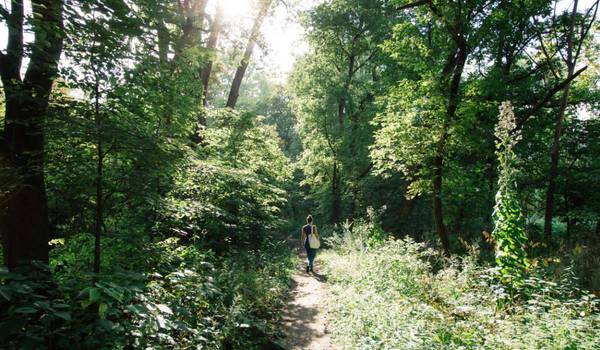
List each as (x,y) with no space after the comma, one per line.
(305,317)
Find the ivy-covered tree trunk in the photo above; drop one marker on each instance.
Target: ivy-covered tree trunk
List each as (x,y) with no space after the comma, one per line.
(509,230)
(24,224)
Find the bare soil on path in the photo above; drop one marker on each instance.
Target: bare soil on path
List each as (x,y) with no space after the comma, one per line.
(305,317)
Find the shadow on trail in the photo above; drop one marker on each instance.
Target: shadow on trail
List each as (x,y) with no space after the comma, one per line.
(304,318)
(319,277)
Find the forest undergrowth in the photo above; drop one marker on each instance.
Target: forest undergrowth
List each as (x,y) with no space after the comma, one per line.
(390,293)
(159,295)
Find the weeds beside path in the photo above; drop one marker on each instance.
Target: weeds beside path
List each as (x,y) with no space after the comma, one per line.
(305,317)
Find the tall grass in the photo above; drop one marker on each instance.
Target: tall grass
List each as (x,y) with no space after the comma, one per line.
(399,294)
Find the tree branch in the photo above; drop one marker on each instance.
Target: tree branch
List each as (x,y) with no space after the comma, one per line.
(4,13)
(546,98)
(366,171)
(10,63)
(413,4)
(548,57)
(584,29)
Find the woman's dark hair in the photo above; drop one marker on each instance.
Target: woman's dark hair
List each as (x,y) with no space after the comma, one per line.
(309,219)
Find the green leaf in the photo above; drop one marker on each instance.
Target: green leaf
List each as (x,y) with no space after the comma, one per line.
(113,293)
(165,309)
(102,309)
(162,323)
(4,294)
(25,310)
(94,295)
(64,315)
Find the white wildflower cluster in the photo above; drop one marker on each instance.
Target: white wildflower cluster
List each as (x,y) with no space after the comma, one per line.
(507,124)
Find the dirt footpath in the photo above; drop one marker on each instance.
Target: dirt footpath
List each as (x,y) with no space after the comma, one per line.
(305,318)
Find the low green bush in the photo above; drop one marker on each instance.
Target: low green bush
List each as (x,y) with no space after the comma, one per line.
(400,294)
(189,298)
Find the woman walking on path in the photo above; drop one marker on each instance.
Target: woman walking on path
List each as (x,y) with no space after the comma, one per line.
(307,230)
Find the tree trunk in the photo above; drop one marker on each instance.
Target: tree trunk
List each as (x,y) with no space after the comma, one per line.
(554,154)
(552,174)
(194,12)
(406,208)
(458,225)
(164,41)
(438,216)
(570,220)
(455,65)
(234,92)
(99,174)
(211,46)
(336,201)
(10,68)
(200,19)
(24,225)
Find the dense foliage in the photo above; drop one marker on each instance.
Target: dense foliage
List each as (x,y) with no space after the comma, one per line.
(165,210)
(150,172)
(397,105)
(159,294)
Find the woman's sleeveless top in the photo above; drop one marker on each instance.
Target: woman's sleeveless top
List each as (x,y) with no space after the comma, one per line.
(307,229)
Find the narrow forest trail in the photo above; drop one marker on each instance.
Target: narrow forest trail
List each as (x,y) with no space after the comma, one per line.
(305,317)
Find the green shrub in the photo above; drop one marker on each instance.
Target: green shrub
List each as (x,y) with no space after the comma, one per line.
(189,298)
(359,234)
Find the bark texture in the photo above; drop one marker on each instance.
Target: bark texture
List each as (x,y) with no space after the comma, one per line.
(24,222)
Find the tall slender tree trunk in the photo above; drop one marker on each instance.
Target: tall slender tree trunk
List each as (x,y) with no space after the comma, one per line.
(571,221)
(99,206)
(553,172)
(407,204)
(454,68)
(99,175)
(24,223)
(234,92)
(164,41)
(555,152)
(193,12)
(438,214)
(200,19)
(336,201)
(213,40)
